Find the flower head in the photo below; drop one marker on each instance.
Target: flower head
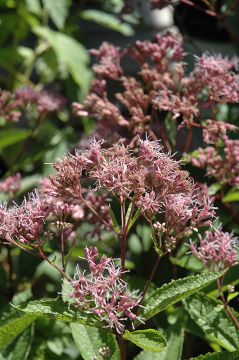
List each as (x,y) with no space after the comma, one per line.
(217,250)
(103,293)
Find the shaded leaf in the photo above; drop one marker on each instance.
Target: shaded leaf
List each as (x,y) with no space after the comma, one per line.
(23,344)
(150,339)
(12,324)
(107,20)
(12,136)
(175,336)
(210,316)
(114,221)
(68,51)
(219,356)
(134,218)
(57,11)
(231,196)
(89,340)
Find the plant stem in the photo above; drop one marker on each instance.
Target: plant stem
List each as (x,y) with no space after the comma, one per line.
(62,250)
(61,271)
(150,279)
(188,140)
(123,234)
(226,306)
(10,268)
(122,347)
(90,207)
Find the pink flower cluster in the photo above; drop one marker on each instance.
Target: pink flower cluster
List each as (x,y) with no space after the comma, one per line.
(24,223)
(162,85)
(217,250)
(148,177)
(11,184)
(12,104)
(102,292)
(44,101)
(216,130)
(222,164)
(74,210)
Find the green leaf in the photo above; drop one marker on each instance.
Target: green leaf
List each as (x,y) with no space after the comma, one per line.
(107,20)
(114,221)
(28,183)
(12,324)
(69,52)
(188,262)
(214,188)
(57,10)
(175,336)
(12,136)
(23,345)
(175,291)
(210,316)
(89,340)
(34,6)
(134,244)
(58,310)
(219,356)
(134,218)
(144,232)
(150,339)
(232,195)
(232,296)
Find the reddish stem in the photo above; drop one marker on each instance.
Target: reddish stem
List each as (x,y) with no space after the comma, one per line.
(122,347)
(226,306)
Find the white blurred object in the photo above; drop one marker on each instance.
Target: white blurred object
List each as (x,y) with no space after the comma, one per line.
(159,19)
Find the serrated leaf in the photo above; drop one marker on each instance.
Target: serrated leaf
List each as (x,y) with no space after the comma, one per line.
(89,340)
(175,291)
(58,310)
(107,20)
(175,337)
(23,345)
(150,339)
(69,52)
(219,356)
(12,324)
(57,11)
(210,316)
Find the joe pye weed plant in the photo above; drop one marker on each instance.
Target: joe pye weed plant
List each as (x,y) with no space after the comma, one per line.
(140,181)
(126,247)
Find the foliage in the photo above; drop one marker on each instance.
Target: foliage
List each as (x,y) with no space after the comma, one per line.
(126,247)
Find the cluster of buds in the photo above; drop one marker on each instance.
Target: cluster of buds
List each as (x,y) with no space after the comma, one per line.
(102,292)
(162,87)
